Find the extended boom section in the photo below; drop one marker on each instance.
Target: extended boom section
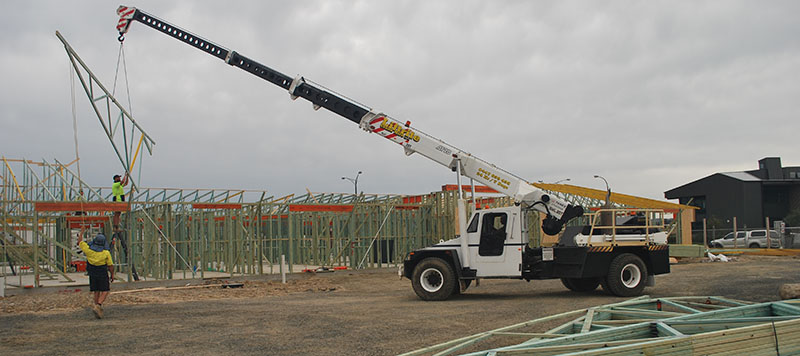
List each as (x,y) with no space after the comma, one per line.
(415,141)
(297,86)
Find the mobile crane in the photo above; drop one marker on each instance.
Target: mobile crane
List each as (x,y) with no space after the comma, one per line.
(493,243)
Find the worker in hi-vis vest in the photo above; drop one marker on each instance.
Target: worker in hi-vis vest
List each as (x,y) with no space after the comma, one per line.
(119,195)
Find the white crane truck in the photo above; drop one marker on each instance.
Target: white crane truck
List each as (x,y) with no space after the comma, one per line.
(493,243)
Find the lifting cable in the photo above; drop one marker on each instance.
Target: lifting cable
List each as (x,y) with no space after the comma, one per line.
(128,144)
(72,75)
(121,60)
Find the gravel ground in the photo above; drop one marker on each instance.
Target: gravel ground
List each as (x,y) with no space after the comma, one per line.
(356,313)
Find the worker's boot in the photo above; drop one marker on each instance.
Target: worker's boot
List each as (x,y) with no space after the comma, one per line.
(98,312)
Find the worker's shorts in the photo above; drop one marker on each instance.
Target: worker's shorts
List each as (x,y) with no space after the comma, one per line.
(98,278)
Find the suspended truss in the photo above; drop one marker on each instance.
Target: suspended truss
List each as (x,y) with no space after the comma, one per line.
(118,124)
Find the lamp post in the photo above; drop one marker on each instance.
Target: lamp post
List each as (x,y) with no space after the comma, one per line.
(354,181)
(608,190)
(607,217)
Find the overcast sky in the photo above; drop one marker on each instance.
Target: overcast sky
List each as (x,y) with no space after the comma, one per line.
(650,95)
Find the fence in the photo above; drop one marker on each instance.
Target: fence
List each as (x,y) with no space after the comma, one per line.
(789,239)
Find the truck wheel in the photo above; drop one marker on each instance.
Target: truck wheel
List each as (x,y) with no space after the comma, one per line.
(580,284)
(754,245)
(627,276)
(433,279)
(717,245)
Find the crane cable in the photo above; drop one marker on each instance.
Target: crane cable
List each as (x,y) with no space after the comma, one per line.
(128,145)
(72,75)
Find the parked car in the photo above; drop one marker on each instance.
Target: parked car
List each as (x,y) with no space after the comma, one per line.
(749,239)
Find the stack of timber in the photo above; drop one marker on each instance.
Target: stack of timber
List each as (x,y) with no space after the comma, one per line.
(649,326)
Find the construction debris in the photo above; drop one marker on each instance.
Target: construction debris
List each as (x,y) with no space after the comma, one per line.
(719,257)
(649,326)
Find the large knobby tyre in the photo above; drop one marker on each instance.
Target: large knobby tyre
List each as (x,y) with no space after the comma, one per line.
(433,279)
(627,276)
(580,284)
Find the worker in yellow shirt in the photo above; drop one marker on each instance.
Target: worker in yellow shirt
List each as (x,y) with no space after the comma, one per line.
(99,265)
(118,192)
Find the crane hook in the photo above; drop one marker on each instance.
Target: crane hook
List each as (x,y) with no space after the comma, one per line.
(121,37)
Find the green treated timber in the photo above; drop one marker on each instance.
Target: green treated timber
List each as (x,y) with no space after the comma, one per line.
(734,302)
(686,250)
(679,306)
(785,309)
(741,311)
(708,306)
(566,328)
(462,345)
(629,332)
(737,339)
(620,322)
(662,347)
(735,312)
(539,335)
(739,346)
(638,314)
(561,329)
(510,327)
(666,330)
(566,349)
(756,319)
(653,313)
(587,321)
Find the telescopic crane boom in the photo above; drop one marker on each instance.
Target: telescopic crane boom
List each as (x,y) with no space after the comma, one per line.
(412,140)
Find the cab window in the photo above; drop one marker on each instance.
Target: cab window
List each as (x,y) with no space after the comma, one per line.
(493,234)
(473,225)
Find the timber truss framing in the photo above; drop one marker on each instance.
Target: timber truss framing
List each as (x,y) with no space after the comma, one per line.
(648,326)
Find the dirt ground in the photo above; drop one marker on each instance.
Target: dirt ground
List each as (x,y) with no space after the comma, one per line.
(357,313)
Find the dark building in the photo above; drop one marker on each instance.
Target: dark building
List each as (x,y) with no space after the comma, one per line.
(750,196)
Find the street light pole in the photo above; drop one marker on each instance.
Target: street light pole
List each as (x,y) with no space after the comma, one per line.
(607,217)
(608,190)
(354,181)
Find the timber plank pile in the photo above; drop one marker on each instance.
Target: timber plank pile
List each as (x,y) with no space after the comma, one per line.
(649,326)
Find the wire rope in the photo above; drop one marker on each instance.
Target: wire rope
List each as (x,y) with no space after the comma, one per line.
(72,75)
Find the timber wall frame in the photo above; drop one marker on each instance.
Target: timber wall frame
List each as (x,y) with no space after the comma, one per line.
(187,239)
(173,232)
